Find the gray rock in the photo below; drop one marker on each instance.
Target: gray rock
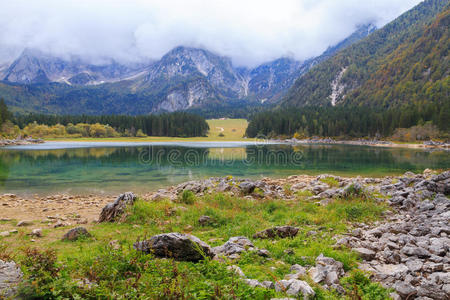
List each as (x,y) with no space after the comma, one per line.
(24,223)
(263,252)
(331,278)
(441,177)
(5,234)
(391,270)
(415,251)
(247,187)
(253,283)
(36,232)
(278,231)
(431,290)
(298,286)
(364,253)
(330,263)
(76,233)
(268,284)
(404,290)
(204,220)
(317,274)
(414,265)
(114,210)
(298,269)
(295,287)
(234,245)
(237,270)
(10,277)
(183,247)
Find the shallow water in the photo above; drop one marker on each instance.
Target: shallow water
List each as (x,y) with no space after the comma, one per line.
(112,168)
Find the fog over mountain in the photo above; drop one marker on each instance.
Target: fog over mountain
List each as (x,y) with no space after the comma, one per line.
(249,32)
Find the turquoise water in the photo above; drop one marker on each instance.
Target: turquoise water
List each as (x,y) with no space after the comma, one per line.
(112,168)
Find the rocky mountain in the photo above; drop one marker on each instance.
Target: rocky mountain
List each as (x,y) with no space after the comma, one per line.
(405,61)
(271,81)
(36,67)
(189,77)
(184,78)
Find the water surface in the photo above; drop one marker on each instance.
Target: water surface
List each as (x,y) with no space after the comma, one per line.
(113,168)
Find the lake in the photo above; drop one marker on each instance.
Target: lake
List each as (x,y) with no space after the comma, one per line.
(111,168)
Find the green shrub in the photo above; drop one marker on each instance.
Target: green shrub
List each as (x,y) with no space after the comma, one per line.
(330,181)
(360,287)
(187,197)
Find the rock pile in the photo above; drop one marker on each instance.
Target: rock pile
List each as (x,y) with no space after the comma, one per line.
(20,141)
(410,253)
(10,277)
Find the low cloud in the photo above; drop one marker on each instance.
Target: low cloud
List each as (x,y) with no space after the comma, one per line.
(248,31)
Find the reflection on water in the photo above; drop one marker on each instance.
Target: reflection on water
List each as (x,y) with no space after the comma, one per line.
(113,170)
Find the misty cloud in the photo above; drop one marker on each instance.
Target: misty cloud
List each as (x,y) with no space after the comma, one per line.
(249,31)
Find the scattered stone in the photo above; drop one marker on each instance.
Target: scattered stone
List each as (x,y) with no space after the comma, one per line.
(204,220)
(236,270)
(253,283)
(263,252)
(60,223)
(36,232)
(76,233)
(113,211)
(5,234)
(278,231)
(183,247)
(24,223)
(294,287)
(297,269)
(235,245)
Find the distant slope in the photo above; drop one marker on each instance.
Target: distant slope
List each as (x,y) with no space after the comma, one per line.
(405,61)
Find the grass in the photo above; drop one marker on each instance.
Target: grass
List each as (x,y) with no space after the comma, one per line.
(122,273)
(233,130)
(332,182)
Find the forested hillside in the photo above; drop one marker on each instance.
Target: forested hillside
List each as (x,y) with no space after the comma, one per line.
(404,62)
(351,121)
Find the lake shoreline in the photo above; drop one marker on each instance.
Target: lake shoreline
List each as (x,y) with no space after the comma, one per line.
(121,142)
(375,143)
(19,142)
(359,221)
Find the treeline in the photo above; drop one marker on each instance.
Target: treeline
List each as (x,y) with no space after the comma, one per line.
(177,124)
(347,121)
(5,115)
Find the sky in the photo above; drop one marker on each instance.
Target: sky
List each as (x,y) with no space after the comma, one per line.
(248,31)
